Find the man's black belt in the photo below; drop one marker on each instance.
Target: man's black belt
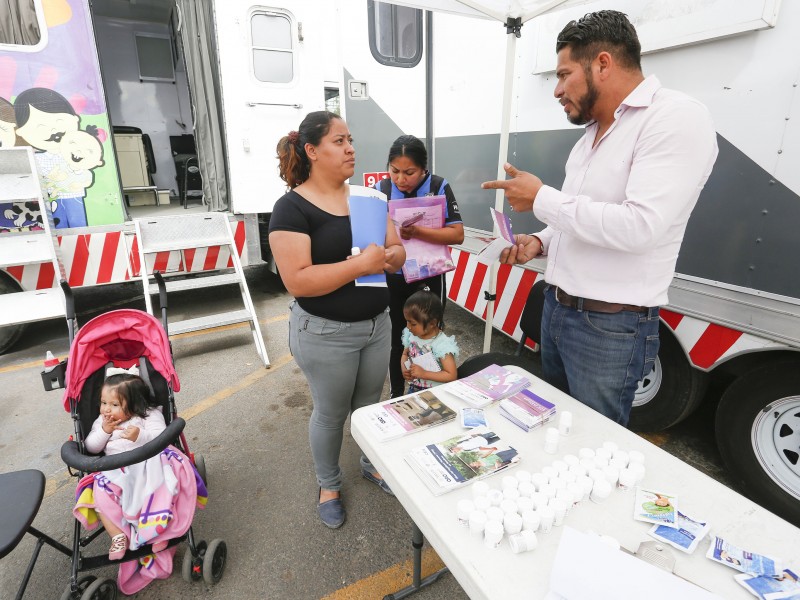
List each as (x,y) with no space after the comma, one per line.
(595,305)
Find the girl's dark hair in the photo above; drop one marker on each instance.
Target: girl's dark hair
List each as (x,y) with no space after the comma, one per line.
(425,308)
(133,390)
(412,147)
(293,164)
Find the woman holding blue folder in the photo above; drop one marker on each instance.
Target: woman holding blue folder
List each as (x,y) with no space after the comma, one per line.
(409,178)
(338,332)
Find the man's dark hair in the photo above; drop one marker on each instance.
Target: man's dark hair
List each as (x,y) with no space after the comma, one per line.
(604,30)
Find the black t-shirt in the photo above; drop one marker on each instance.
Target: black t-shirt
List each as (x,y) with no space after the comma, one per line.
(331,242)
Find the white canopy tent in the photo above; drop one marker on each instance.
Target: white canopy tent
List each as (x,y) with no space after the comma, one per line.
(512,13)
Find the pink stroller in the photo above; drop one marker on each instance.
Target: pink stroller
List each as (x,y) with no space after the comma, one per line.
(120,338)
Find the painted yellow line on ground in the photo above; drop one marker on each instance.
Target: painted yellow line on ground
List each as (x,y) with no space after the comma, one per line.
(389,580)
(34,364)
(63,478)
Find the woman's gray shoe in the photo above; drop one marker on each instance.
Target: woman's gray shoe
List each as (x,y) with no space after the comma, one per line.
(379,482)
(332,512)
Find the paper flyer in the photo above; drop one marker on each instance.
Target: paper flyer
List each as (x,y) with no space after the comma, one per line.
(492,252)
(655,507)
(685,536)
(745,561)
(368,218)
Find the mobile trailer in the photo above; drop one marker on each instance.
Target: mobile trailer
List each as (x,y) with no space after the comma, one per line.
(734,304)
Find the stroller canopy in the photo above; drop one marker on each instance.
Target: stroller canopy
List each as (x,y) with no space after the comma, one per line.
(122,337)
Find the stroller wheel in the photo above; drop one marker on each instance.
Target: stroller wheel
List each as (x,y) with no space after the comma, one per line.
(192,569)
(214,561)
(101,589)
(83,583)
(200,465)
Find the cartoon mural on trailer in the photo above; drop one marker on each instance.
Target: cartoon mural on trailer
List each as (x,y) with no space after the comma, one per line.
(52,100)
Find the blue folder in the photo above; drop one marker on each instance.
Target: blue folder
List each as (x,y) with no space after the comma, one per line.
(368,215)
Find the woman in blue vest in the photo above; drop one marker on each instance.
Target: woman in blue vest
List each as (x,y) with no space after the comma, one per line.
(409,178)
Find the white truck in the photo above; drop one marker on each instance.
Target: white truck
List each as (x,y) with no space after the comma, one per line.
(239,75)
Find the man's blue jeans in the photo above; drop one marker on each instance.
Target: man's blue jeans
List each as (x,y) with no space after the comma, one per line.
(598,358)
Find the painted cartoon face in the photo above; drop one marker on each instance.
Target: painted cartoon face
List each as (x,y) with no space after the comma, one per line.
(7,136)
(45,131)
(81,150)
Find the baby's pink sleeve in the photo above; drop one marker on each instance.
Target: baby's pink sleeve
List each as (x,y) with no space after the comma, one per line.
(97,439)
(151,427)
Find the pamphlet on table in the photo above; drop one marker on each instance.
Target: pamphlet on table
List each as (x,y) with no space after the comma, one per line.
(487,385)
(729,555)
(783,586)
(423,259)
(459,460)
(684,536)
(527,410)
(415,412)
(655,507)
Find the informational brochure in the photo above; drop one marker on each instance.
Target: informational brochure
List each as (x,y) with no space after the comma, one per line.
(784,586)
(473,417)
(427,361)
(685,536)
(368,226)
(423,259)
(656,507)
(487,385)
(729,555)
(457,461)
(415,412)
(491,253)
(527,410)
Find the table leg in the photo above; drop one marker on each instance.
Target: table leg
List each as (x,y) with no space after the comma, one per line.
(417,583)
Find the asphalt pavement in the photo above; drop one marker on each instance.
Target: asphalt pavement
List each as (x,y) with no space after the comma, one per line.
(250,425)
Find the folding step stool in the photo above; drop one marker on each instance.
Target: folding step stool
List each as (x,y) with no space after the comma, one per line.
(19,182)
(185,232)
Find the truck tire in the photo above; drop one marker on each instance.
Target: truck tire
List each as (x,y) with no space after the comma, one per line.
(758,434)
(10,333)
(671,392)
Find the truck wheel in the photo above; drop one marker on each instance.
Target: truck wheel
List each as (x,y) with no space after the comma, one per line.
(10,333)
(758,433)
(671,392)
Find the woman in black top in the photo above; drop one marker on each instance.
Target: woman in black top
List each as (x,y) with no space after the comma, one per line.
(339,333)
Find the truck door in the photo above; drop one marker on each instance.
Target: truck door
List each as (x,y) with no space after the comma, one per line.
(271,76)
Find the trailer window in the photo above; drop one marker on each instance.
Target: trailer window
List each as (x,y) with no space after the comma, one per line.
(154,56)
(332,100)
(19,23)
(395,34)
(273,54)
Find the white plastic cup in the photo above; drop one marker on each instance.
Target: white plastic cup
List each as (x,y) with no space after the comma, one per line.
(530,520)
(612,475)
(510,482)
(512,523)
(560,466)
(577,492)
(524,504)
(511,494)
(568,476)
(559,483)
(482,503)
(508,506)
(611,446)
(566,497)
(495,497)
(477,523)
(565,423)
(549,474)
(479,488)
(559,511)
(624,456)
(526,489)
(588,464)
(617,463)
(523,541)
(523,476)
(600,491)
(464,509)
(639,469)
(627,479)
(548,491)
(585,453)
(635,456)
(546,518)
(597,474)
(493,533)
(494,513)
(602,453)
(571,459)
(539,500)
(538,480)
(578,469)
(600,462)
(587,483)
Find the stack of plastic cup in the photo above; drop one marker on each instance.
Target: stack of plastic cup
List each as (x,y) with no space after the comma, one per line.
(600,491)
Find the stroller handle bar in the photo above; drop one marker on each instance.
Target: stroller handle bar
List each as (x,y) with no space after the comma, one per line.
(72,456)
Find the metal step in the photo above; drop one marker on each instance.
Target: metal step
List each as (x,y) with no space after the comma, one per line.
(194,283)
(36,305)
(209,321)
(164,234)
(25,249)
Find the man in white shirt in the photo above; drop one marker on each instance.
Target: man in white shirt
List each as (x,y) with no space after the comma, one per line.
(615,227)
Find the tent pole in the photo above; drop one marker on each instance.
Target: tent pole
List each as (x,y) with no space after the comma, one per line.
(508,85)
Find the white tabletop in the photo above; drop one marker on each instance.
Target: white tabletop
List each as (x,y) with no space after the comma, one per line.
(503,575)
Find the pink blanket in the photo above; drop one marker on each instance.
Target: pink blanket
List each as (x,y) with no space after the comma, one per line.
(152,502)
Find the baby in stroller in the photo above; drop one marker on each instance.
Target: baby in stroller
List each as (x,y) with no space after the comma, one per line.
(126,420)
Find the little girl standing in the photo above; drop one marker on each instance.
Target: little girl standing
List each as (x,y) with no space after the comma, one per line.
(429,356)
(126,421)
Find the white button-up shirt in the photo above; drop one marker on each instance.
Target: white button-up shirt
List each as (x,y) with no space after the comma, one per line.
(615,228)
